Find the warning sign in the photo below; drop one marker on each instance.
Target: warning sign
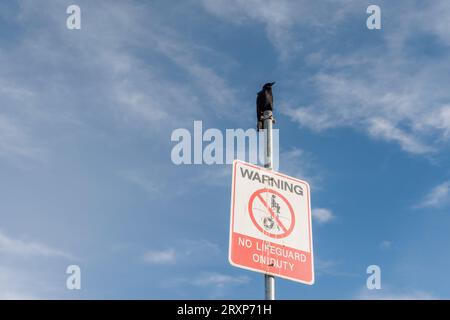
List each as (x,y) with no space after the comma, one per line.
(270,227)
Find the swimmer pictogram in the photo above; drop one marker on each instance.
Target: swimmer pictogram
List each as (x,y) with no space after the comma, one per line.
(271,213)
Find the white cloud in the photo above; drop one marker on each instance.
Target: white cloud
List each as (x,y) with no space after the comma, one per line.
(160,257)
(213,176)
(18,247)
(148,185)
(387,293)
(386,91)
(385,244)
(15,285)
(279,18)
(322,215)
(205,93)
(220,280)
(438,197)
(331,267)
(15,141)
(383,129)
(440,119)
(156,182)
(196,249)
(382,110)
(438,26)
(33,278)
(325,266)
(91,74)
(300,164)
(184,252)
(216,284)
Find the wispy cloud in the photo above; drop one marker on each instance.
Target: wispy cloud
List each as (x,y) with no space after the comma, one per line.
(385,244)
(19,280)
(157,182)
(140,180)
(360,91)
(322,215)
(199,253)
(127,90)
(185,252)
(195,249)
(279,18)
(388,293)
(385,130)
(159,257)
(15,285)
(220,280)
(330,267)
(19,247)
(325,266)
(383,112)
(300,164)
(15,141)
(216,284)
(438,197)
(276,17)
(214,175)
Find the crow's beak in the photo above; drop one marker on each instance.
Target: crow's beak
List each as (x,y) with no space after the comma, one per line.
(272,83)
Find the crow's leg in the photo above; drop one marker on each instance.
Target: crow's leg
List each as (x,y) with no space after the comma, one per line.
(259,125)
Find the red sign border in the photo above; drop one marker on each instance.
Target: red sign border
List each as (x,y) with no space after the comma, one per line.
(235,162)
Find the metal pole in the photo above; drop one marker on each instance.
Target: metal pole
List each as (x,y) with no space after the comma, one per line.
(269,281)
(268,119)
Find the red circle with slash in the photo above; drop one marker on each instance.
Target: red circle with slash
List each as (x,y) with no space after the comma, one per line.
(256,196)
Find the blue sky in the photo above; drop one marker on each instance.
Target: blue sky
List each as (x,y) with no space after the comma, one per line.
(86,118)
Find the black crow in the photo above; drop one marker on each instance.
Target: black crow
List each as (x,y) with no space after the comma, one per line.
(264,102)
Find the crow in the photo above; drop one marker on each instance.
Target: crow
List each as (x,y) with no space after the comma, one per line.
(264,102)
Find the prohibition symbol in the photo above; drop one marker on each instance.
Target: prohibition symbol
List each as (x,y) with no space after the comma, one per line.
(271,213)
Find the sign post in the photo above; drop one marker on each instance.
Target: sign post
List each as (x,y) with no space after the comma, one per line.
(269,280)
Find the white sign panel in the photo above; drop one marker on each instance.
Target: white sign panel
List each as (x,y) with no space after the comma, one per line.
(270,227)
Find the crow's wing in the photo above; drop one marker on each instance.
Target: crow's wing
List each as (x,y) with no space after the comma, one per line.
(269,99)
(260,102)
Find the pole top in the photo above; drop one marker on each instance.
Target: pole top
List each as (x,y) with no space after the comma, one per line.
(267,114)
